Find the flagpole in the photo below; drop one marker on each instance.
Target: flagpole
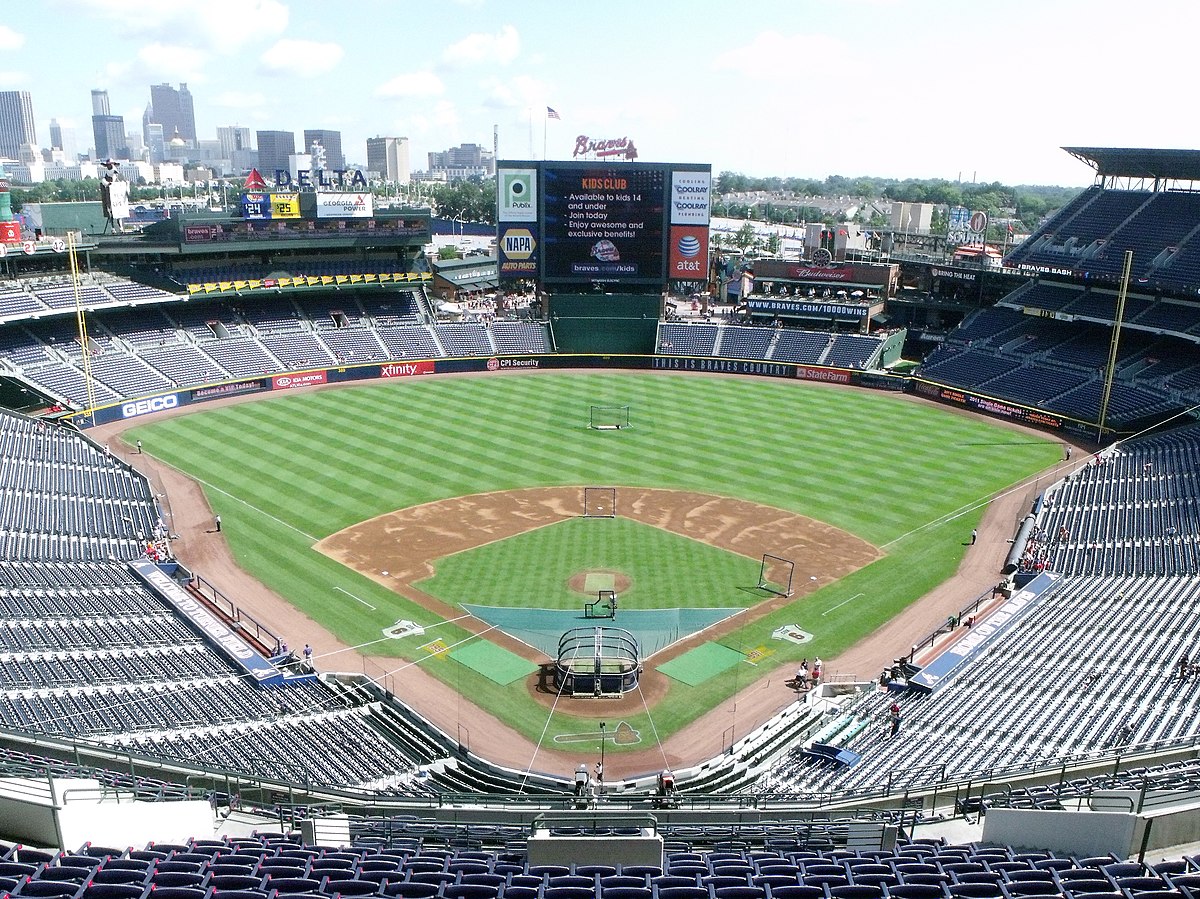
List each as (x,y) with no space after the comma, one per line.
(531,132)
(545,128)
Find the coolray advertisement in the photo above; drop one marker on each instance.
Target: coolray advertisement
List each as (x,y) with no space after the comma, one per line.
(516,199)
(690,193)
(603,223)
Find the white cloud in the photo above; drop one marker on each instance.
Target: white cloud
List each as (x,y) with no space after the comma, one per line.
(302,59)
(9,39)
(222,26)
(476,49)
(240,100)
(514,93)
(13,79)
(770,51)
(412,84)
(172,62)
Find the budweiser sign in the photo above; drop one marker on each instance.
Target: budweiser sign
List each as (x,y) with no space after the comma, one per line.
(604,149)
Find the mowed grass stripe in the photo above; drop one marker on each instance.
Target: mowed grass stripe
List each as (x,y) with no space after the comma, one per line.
(875,465)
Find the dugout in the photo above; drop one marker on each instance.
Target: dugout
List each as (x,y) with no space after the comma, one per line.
(605,322)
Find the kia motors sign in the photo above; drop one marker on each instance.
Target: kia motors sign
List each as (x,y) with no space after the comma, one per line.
(299,379)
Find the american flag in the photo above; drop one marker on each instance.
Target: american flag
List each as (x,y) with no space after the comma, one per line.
(552,113)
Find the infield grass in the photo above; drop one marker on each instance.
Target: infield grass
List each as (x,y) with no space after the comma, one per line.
(287,471)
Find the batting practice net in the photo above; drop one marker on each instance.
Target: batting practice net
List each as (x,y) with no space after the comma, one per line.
(597,661)
(608,418)
(775,575)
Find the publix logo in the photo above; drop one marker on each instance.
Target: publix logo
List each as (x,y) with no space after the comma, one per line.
(688,246)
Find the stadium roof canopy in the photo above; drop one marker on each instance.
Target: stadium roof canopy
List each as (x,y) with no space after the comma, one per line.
(1172,165)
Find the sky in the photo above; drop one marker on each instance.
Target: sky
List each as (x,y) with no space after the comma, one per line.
(892,88)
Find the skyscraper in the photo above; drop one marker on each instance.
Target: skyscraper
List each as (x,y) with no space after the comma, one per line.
(16,123)
(331,141)
(389,157)
(173,109)
(233,138)
(274,148)
(56,135)
(108,130)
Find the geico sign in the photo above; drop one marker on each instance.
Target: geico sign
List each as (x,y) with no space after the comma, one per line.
(142,407)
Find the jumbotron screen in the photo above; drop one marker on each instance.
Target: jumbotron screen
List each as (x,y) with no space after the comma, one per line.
(596,221)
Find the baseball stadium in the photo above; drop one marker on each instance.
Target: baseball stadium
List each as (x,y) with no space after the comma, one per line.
(327,568)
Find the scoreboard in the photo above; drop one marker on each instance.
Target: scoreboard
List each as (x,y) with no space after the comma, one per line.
(581,223)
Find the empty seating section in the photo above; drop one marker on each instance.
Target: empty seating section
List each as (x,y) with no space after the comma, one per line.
(422,858)
(687,339)
(242,357)
(87,652)
(301,349)
(272,315)
(1091,234)
(1059,366)
(851,351)
(739,342)
(393,308)
(802,347)
(183,363)
(465,340)
(331,313)
(519,337)
(411,341)
(1164,222)
(963,367)
(67,297)
(16,302)
(128,375)
(1124,529)
(132,292)
(354,345)
(142,327)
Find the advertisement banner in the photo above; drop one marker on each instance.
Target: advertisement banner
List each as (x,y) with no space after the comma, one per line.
(10,232)
(136,408)
(516,199)
(806,308)
(218,633)
(256,206)
(603,224)
(518,253)
(406,369)
(285,206)
(690,198)
(233,388)
(201,233)
(688,259)
(298,379)
(344,206)
(827,375)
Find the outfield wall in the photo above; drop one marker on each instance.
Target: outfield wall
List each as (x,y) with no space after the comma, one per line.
(876,380)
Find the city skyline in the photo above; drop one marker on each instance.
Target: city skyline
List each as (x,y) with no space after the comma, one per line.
(920,88)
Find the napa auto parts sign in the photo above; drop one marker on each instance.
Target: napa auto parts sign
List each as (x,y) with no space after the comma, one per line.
(344,206)
(300,379)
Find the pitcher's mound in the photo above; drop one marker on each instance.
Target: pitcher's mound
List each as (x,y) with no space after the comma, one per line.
(590,582)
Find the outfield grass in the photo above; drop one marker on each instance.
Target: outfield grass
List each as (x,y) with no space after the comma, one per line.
(287,471)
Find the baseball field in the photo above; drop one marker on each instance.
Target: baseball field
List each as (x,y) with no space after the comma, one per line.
(438,521)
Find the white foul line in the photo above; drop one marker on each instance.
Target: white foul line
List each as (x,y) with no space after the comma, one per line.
(363,601)
(842,603)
